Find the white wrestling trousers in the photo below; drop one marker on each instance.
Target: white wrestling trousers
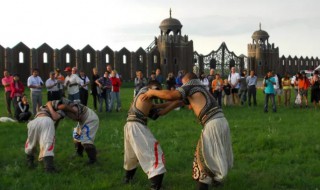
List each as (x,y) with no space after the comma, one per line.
(140,147)
(41,130)
(86,132)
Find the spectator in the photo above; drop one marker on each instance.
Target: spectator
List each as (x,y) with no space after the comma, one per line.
(252,88)
(233,80)
(109,69)
(286,85)
(294,84)
(105,86)
(35,84)
(22,113)
(179,79)
(84,88)
(211,77)
(171,82)
(204,80)
(278,88)
(217,87)
(52,88)
(115,92)
(72,82)
(60,80)
(6,82)
(243,88)
(159,76)
(94,86)
(227,98)
(315,89)
(303,86)
(269,82)
(139,82)
(17,90)
(153,78)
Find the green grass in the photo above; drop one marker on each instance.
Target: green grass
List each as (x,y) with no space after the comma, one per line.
(271,151)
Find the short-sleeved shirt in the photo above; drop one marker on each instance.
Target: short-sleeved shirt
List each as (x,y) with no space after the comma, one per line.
(51,82)
(233,78)
(34,81)
(7,80)
(73,79)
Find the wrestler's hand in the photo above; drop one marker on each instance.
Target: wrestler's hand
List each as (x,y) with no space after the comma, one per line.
(146,96)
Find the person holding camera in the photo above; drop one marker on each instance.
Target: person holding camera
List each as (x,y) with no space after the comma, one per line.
(52,87)
(35,84)
(269,91)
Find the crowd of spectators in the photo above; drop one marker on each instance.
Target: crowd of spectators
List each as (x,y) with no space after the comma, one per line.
(235,89)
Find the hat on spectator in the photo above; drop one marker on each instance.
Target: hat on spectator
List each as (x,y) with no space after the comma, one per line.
(67,69)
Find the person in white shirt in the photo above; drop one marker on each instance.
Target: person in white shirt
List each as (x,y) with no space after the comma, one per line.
(233,80)
(72,82)
(84,88)
(278,88)
(52,87)
(35,84)
(204,80)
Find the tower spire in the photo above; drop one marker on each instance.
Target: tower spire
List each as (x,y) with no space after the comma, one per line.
(260,25)
(170,12)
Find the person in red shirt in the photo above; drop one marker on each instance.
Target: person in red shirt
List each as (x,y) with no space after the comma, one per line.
(115,95)
(6,82)
(17,90)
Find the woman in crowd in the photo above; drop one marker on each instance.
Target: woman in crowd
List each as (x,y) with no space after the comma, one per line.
(171,82)
(217,88)
(315,89)
(115,91)
(286,86)
(303,85)
(17,90)
(22,113)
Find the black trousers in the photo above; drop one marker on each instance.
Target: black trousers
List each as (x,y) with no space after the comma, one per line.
(252,92)
(84,96)
(53,95)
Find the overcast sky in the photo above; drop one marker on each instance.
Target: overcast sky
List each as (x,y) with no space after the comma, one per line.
(293,25)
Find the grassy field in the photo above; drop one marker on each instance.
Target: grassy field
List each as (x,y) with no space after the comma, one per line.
(271,151)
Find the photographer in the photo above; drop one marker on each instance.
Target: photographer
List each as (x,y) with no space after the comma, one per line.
(52,87)
(268,83)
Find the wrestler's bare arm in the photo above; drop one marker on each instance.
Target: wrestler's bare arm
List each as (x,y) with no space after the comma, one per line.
(66,108)
(162,94)
(54,115)
(172,105)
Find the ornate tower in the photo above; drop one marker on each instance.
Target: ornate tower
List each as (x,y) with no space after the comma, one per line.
(176,51)
(262,56)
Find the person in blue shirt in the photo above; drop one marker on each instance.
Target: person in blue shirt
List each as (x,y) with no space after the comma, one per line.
(269,91)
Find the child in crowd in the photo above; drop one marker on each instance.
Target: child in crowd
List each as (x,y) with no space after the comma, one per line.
(227,98)
(22,113)
(115,91)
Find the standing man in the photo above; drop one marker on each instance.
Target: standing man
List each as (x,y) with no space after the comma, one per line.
(72,82)
(213,156)
(211,77)
(159,76)
(35,84)
(139,82)
(269,82)
(233,80)
(52,87)
(104,83)
(252,80)
(60,80)
(109,69)
(84,88)
(6,81)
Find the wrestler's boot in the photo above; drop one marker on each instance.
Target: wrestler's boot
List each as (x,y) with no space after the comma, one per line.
(91,152)
(30,163)
(129,176)
(48,164)
(156,182)
(78,149)
(202,186)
